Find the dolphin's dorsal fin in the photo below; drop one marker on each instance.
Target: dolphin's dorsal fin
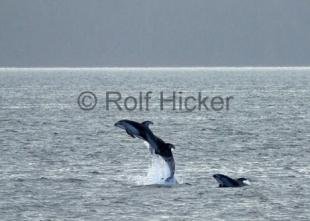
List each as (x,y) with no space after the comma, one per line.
(147,123)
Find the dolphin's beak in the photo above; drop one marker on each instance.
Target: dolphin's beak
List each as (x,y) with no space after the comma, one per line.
(216,176)
(119,124)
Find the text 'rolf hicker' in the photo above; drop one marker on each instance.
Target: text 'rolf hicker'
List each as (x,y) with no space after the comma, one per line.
(146,101)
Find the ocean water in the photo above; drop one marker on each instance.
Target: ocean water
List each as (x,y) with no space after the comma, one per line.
(59,162)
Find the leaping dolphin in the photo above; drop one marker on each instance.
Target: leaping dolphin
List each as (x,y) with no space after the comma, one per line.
(157,145)
(225,181)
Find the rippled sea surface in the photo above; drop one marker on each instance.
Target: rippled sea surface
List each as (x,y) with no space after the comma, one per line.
(58,162)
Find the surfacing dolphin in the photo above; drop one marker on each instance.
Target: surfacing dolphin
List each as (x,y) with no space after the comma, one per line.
(157,145)
(225,181)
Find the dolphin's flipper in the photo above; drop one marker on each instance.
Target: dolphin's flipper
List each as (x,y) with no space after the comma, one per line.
(147,123)
(130,134)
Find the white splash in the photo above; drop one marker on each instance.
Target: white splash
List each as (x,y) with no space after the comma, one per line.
(158,171)
(247,182)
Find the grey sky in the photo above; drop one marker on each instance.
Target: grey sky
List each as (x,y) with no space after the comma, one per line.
(154,33)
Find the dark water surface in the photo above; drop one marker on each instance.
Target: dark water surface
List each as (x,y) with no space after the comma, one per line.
(58,162)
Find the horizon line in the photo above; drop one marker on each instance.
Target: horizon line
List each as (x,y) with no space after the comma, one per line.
(159,68)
